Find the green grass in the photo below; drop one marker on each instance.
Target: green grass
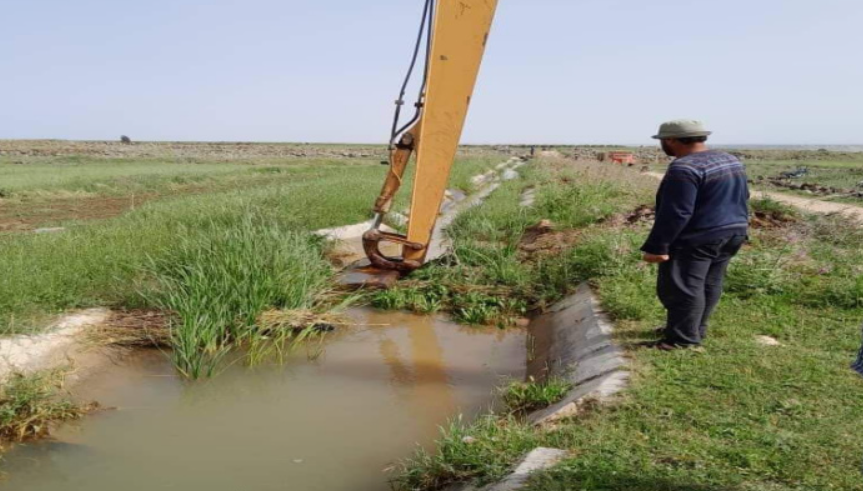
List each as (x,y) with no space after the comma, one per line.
(486,279)
(481,451)
(29,404)
(73,175)
(215,260)
(524,397)
(81,176)
(739,416)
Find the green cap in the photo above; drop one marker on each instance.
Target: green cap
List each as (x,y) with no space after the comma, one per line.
(682,128)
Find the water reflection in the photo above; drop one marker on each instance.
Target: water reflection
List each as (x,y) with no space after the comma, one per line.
(330,424)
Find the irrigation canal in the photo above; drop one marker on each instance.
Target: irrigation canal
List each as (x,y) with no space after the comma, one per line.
(329,422)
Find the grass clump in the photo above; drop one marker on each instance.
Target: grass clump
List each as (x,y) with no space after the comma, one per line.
(524,397)
(777,209)
(29,404)
(218,283)
(482,451)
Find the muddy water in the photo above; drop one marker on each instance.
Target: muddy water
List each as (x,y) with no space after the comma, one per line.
(331,423)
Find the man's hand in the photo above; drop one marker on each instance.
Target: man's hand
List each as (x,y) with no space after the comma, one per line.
(656,258)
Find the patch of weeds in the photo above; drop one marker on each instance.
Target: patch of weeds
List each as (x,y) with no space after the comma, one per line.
(499,264)
(775,209)
(466,306)
(835,230)
(482,450)
(271,170)
(30,403)
(524,397)
(760,271)
(478,308)
(603,253)
(425,300)
(577,206)
(632,294)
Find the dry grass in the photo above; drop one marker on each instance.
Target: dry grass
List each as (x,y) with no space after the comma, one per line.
(298,320)
(29,404)
(133,329)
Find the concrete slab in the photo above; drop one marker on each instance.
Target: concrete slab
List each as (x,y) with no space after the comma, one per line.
(509,175)
(537,460)
(598,389)
(49,230)
(528,198)
(349,231)
(573,340)
(58,345)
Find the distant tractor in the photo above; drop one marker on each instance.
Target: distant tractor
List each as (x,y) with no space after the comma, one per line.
(622,158)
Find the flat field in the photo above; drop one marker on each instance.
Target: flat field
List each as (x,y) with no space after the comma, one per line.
(216,242)
(835,176)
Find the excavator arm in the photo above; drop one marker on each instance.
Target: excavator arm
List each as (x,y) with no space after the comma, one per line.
(458,34)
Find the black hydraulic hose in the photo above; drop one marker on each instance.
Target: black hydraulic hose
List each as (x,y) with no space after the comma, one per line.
(425,28)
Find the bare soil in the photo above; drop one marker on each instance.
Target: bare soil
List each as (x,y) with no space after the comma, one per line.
(28,215)
(542,240)
(814,205)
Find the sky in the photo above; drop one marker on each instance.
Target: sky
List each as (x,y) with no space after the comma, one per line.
(556,71)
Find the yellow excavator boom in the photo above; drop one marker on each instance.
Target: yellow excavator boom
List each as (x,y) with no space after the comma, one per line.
(459,33)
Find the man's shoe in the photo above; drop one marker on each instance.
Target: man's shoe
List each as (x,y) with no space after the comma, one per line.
(663,345)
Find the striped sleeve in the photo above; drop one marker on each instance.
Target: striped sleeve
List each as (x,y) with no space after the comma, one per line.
(675,207)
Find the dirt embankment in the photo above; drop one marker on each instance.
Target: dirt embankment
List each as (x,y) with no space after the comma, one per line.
(812,188)
(814,205)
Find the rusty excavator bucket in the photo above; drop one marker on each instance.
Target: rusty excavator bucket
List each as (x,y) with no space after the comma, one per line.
(455,33)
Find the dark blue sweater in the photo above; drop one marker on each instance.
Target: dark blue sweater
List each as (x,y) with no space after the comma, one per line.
(703,197)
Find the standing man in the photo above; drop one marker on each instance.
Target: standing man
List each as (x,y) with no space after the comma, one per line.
(702,219)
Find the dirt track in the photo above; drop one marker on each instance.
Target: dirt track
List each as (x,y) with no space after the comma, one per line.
(806,204)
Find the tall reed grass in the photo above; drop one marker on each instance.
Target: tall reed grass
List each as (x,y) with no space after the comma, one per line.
(218,283)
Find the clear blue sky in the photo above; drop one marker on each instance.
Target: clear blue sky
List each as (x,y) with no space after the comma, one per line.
(556,71)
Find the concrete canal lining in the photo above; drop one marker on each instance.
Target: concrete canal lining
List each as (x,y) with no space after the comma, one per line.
(573,341)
